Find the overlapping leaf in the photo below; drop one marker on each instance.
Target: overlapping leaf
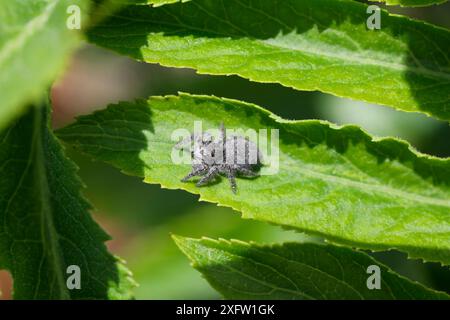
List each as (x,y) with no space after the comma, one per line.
(320,45)
(240,270)
(34,46)
(45,226)
(337,182)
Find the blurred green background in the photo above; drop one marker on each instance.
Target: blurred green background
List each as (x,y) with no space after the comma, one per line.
(141,217)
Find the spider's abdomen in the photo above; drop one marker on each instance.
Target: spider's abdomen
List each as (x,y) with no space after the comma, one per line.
(240,151)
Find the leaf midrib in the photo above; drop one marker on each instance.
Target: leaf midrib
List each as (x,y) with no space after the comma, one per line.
(379,188)
(357,59)
(262,282)
(351,59)
(51,247)
(314,268)
(274,286)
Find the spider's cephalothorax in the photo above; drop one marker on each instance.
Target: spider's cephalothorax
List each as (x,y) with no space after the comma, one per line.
(229,156)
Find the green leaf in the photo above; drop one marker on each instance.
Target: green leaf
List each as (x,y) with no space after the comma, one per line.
(34,47)
(240,270)
(411,3)
(336,182)
(45,226)
(305,44)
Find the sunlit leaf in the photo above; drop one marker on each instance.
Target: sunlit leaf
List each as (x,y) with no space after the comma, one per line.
(320,45)
(333,181)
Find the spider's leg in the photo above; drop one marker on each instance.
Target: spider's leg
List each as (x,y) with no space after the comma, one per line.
(248,173)
(193,173)
(231,177)
(211,174)
(190,175)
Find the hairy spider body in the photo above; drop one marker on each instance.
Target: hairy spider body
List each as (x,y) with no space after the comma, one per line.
(228,156)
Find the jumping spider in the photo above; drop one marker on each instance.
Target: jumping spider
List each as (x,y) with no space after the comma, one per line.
(229,156)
